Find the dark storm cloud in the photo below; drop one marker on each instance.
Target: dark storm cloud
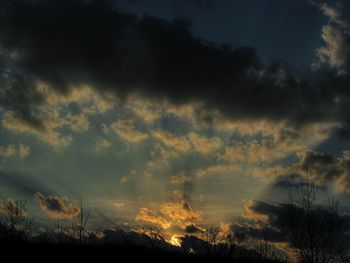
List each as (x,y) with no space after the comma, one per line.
(269,233)
(66,43)
(182,8)
(277,215)
(199,3)
(290,180)
(279,221)
(324,169)
(321,170)
(191,229)
(326,166)
(17,92)
(57,206)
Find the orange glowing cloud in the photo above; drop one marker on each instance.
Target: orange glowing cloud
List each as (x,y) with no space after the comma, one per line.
(169,214)
(146,215)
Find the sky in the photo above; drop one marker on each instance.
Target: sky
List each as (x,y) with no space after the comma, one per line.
(182,114)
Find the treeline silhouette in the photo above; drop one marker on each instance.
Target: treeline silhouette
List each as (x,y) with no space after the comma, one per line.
(313,234)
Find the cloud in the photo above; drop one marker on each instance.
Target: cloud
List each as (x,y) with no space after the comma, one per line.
(203,144)
(11,150)
(59,114)
(57,206)
(126,130)
(274,142)
(158,59)
(125,179)
(333,52)
(271,172)
(275,218)
(289,180)
(47,132)
(147,174)
(149,112)
(218,169)
(146,215)
(192,229)
(179,213)
(326,169)
(336,35)
(78,122)
(180,144)
(23,150)
(321,169)
(160,158)
(119,205)
(189,142)
(102,145)
(266,173)
(343,184)
(180,179)
(251,213)
(8,151)
(88,99)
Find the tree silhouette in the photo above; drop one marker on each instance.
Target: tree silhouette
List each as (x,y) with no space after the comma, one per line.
(154,235)
(14,222)
(267,249)
(313,231)
(79,223)
(233,239)
(210,237)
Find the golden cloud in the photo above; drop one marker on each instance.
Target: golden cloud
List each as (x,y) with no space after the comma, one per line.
(181,213)
(170,213)
(7,151)
(281,142)
(191,141)
(203,144)
(90,100)
(146,215)
(180,179)
(78,123)
(11,150)
(180,144)
(334,36)
(23,150)
(102,144)
(50,114)
(147,111)
(126,130)
(47,133)
(219,169)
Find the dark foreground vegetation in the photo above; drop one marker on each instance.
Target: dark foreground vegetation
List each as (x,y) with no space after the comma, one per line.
(20,240)
(48,252)
(312,233)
